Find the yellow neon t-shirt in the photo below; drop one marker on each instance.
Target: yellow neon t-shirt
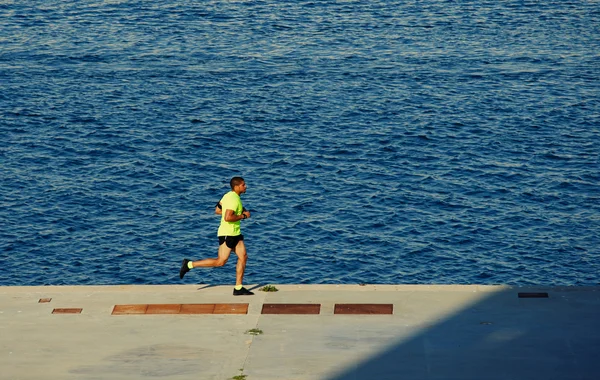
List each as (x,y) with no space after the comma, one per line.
(230,201)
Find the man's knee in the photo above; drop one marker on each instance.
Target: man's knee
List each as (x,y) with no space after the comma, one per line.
(220,262)
(241,254)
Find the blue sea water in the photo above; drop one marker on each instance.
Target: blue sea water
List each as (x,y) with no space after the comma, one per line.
(383,141)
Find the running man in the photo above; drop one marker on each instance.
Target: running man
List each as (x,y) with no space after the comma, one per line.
(230,236)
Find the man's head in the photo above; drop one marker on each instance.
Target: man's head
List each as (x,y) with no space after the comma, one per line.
(238,185)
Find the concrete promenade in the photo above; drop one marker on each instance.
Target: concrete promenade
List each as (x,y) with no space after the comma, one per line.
(301,332)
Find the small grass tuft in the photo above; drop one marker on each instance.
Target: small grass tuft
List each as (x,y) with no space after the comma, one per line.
(254,332)
(239,377)
(269,288)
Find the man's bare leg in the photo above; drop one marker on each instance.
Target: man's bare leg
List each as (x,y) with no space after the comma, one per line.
(240,267)
(240,251)
(223,256)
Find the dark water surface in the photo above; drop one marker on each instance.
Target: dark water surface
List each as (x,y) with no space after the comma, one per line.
(382,141)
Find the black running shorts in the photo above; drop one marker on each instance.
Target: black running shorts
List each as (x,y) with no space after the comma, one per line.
(231,241)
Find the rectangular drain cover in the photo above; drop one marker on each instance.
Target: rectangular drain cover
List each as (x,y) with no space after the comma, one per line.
(72,310)
(129,309)
(533,295)
(291,308)
(364,308)
(175,308)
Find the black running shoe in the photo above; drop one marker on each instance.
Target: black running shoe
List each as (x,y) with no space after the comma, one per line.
(242,292)
(184,268)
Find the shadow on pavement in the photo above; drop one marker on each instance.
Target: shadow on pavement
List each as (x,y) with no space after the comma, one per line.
(502,336)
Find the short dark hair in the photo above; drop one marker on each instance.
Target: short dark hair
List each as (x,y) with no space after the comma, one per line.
(235,181)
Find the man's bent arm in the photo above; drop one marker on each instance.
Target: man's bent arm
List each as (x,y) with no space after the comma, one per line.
(231,217)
